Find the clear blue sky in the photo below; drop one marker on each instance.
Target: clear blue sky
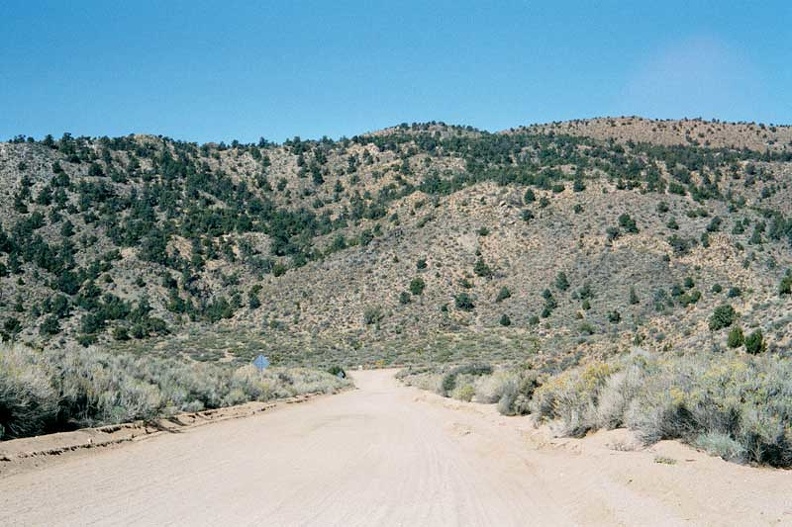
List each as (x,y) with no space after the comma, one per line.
(211,71)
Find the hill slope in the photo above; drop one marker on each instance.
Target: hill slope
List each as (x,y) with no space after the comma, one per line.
(416,243)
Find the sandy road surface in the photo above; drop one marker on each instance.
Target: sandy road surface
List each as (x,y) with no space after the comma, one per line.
(389,455)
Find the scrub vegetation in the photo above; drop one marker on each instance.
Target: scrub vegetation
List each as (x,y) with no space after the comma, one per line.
(55,390)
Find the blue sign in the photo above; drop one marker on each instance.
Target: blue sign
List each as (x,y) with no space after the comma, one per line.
(261,362)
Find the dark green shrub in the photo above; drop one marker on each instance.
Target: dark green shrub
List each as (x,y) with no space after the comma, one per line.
(561,281)
(417,286)
(785,287)
(505,320)
(503,294)
(736,338)
(121,333)
(482,269)
(680,245)
(633,296)
(754,343)
(464,302)
(50,326)
(628,224)
(338,371)
(723,317)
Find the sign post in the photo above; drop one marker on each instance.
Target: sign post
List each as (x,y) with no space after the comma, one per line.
(261,363)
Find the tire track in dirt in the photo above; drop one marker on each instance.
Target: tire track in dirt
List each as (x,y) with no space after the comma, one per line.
(389,455)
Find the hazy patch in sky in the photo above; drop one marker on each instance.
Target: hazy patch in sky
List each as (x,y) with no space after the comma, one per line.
(700,76)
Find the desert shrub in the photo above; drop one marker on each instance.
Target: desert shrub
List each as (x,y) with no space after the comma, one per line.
(482,269)
(714,224)
(417,286)
(634,296)
(785,287)
(428,378)
(515,392)
(723,317)
(372,315)
(616,394)
(722,445)
(681,246)
(464,302)
(449,380)
(736,406)
(489,388)
(569,399)
(305,381)
(628,224)
(74,387)
(561,281)
(464,391)
(28,402)
(735,338)
(338,371)
(754,343)
(503,294)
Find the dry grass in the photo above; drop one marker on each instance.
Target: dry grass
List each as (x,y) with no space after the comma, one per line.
(50,390)
(734,405)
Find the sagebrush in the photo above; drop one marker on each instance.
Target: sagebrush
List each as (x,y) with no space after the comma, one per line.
(44,391)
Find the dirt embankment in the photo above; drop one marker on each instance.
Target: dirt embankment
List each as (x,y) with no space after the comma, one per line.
(390,455)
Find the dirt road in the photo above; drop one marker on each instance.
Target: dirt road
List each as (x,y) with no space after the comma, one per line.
(390,455)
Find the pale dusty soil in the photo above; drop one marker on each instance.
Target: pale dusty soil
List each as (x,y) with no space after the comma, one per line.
(389,455)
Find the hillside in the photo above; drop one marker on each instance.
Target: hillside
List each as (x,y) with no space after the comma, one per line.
(418,243)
